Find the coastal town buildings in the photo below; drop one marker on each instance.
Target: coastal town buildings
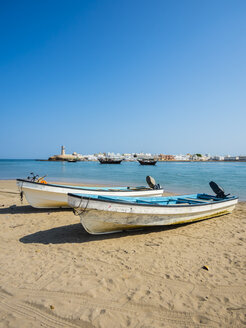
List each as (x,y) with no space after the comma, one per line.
(130,157)
(217,158)
(181,157)
(163,157)
(231,158)
(89,157)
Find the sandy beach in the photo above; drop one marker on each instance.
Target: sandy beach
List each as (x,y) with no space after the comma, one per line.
(54,274)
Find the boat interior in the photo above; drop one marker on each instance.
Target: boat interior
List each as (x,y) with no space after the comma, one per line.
(105,188)
(91,188)
(194,199)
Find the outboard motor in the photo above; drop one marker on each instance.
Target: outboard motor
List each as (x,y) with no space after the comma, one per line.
(217,190)
(151,183)
(32,177)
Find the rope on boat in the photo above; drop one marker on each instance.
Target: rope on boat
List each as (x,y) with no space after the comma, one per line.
(21,193)
(21,197)
(80,212)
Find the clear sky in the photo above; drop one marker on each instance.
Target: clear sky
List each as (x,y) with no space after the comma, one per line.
(165,76)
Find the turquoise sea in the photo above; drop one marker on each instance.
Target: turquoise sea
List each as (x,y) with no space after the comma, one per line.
(178,177)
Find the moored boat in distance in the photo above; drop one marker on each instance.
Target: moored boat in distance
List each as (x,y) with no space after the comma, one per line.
(101,214)
(72,160)
(147,161)
(110,160)
(41,194)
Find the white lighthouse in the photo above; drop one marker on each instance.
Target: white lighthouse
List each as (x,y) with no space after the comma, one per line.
(62,150)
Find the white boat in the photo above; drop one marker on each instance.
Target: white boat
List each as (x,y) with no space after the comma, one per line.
(47,195)
(101,214)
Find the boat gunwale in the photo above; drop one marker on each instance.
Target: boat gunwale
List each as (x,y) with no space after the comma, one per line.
(123,202)
(84,188)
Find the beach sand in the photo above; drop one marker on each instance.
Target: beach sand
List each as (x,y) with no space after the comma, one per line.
(54,274)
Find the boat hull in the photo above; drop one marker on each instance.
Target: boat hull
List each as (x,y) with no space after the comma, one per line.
(142,162)
(40,195)
(99,217)
(110,161)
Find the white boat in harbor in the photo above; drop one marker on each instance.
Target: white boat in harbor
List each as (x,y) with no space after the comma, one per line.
(47,195)
(101,214)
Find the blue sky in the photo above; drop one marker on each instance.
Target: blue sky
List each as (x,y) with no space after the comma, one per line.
(124,76)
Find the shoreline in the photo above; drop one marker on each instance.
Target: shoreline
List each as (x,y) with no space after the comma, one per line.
(128,161)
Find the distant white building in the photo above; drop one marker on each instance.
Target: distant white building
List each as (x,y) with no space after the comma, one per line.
(113,154)
(181,157)
(144,155)
(200,157)
(231,158)
(90,157)
(206,157)
(129,157)
(217,158)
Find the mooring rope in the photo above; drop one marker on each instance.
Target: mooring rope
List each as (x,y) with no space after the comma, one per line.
(80,212)
(21,193)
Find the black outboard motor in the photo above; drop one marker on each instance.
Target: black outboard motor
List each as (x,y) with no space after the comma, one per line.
(217,190)
(151,183)
(32,177)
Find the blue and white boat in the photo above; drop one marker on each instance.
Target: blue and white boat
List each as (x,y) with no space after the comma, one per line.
(102,214)
(41,194)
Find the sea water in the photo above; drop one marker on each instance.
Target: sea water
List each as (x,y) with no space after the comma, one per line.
(178,177)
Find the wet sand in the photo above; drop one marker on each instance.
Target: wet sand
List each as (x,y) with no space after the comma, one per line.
(54,274)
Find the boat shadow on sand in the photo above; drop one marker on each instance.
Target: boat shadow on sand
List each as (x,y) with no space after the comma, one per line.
(24,209)
(75,233)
